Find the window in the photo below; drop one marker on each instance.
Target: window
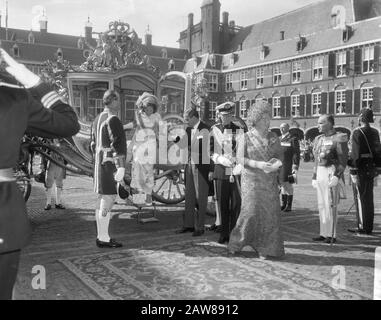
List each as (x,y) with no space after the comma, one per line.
(260,77)
(276,107)
(232,59)
(367,97)
(295,104)
(316,103)
(296,69)
(212,110)
(277,75)
(164,53)
(340,101)
(16,50)
(174,107)
(229,82)
(243,109)
(317,66)
(368,61)
(213,61)
(213,83)
(244,80)
(341,61)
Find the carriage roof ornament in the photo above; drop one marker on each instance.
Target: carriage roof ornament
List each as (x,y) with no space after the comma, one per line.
(117,48)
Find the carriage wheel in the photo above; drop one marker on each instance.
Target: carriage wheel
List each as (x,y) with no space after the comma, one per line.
(170,189)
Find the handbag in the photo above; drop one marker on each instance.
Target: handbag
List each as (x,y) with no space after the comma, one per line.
(369,167)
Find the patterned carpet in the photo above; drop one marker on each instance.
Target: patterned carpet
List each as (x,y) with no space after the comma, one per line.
(203,271)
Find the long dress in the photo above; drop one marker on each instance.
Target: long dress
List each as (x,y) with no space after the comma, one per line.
(258,224)
(144,149)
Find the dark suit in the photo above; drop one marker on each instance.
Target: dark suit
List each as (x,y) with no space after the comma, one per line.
(358,159)
(38,111)
(228,196)
(196,178)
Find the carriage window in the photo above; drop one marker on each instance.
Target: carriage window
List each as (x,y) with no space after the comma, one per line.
(77,101)
(95,106)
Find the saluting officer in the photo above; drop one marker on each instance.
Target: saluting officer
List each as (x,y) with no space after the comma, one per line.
(290,157)
(110,148)
(331,155)
(224,141)
(365,154)
(34,108)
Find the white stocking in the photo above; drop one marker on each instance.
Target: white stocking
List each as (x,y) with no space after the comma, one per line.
(49,195)
(58,195)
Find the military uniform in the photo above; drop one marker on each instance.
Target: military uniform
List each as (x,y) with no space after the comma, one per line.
(331,155)
(38,111)
(290,157)
(359,159)
(227,185)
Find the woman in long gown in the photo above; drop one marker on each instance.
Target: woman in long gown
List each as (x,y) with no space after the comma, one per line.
(144,146)
(258,225)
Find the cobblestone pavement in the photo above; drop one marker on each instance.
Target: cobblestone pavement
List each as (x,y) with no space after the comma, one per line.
(59,234)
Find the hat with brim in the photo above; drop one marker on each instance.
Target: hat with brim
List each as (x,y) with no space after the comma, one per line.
(226,108)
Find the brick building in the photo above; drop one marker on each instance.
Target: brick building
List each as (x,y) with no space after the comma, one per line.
(322,58)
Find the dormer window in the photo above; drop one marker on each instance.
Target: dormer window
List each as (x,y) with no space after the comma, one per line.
(301,44)
(264,52)
(16,50)
(213,60)
(232,59)
(31,38)
(164,53)
(171,65)
(347,33)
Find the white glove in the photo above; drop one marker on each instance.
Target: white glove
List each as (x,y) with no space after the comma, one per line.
(314,184)
(224,161)
(334,181)
(21,73)
(237,170)
(354,179)
(210,176)
(119,175)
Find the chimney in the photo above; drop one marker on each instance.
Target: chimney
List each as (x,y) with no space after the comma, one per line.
(88,30)
(190,20)
(225,18)
(148,37)
(282,35)
(44,23)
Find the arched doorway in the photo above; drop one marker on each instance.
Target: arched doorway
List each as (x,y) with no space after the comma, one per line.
(297,132)
(311,134)
(344,130)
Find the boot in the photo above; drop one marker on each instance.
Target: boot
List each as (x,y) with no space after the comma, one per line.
(289,204)
(284,202)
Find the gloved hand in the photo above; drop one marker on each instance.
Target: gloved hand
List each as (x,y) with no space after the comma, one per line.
(237,170)
(334,181)
(314,184)
(119,175)
(224,161)
(210,176)
(21,73)
(354,178)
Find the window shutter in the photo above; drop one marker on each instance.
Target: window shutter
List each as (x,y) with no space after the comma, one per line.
(358,60)
(324,100)
(288,107)
(302,106)
(332,65)
(357,101)
(247,106)
(348,101)
(237,111)
(377,58)
(376,100)
(270,101)
(348,63)
(331,105)
(283,107)
(309,105)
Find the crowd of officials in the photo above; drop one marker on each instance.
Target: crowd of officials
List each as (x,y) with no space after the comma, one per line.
(251,189)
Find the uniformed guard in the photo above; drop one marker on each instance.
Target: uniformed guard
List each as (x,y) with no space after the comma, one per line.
(228,198)
(331,155)
(365,163)
(34,108)
(110,148)
(290,158)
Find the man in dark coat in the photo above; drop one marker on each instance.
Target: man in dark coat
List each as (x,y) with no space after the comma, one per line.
(197,173)
(228,198)
(35,108)
(290,158)
(365,152)
(110,149)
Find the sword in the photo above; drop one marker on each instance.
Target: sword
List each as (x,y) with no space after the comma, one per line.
(334,213)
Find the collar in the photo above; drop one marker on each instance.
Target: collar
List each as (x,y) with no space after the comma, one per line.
(196,125)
